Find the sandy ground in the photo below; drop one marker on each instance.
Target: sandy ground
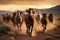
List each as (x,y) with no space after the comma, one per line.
(37,31)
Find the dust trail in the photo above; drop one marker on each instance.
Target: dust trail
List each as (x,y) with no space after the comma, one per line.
(37,27)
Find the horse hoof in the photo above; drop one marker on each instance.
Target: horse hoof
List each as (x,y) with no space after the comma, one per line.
(30,34)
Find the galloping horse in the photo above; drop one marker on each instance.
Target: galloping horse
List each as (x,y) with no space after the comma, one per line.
(6,17)
(29,22)
(16,20)
(44,21)
(38,18)
(50,17)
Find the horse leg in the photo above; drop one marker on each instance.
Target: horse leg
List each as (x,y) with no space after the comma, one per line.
(31,29)
(20,26)
(42,24)
(44,28)
(13,24)
(27,31)
(30,33)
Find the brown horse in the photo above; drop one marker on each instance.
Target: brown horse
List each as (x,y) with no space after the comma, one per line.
(29,22)
(16,20)
(6,17)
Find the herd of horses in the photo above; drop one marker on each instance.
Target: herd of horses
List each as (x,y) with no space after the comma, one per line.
(17,19)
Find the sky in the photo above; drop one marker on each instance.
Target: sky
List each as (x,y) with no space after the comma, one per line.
(24,4)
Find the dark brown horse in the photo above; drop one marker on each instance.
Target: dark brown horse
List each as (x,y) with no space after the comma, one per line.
(4,17)
(44,21)
(50,18)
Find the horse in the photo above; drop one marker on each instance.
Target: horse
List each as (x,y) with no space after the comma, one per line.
(16,20)
(38,18)
(6,17)
(29,23)
(44,21)
(50,18)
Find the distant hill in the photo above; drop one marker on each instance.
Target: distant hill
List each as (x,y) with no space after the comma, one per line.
(55,10)
(3,12)
(9,12)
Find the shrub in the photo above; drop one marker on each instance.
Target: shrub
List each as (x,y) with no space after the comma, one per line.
(4,29)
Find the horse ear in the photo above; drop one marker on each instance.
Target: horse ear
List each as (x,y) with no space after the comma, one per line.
(26,10)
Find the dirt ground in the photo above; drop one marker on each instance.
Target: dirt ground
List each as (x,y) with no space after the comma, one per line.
(37,32)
